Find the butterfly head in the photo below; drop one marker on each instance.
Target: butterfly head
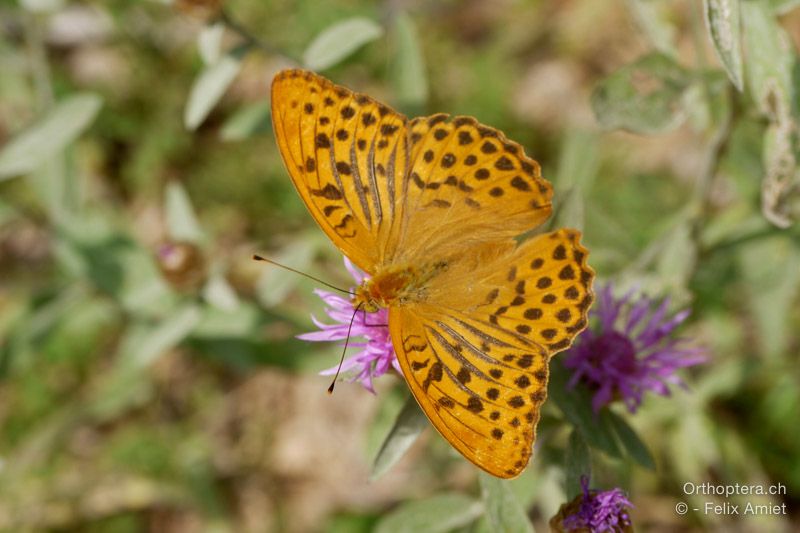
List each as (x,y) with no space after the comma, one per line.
(387,288)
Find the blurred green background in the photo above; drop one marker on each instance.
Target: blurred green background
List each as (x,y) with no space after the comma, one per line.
(150,378)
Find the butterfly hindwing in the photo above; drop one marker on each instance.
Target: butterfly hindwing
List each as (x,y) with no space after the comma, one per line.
(543,291)
(347,156)
(478,365)
(485,402)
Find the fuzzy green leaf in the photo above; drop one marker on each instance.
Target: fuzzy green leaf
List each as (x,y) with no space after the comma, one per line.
(182,223)
(577,463)
(646,96)
(722,21)
(630,441)
(249,120)
(208,88)
(408,67)
(47,137)
(340,40)
(576,405)
(503,511)
(436,514)
(407,427)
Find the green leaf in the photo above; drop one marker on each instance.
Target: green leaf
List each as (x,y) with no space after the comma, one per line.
(407,427)
(770,60)
(182,223)
(436,514)
(250,119)
(576,404)
(677,258)
(238,323)
(577,463)
(145,342)
(408,66)
(219,293)
(114,263)
(771,286)
(630,441)
(51,134)
(209,87)
(722,21)
(571,210)
(578,160)
(275,283)
(127,383)
(209,42)
(503,511)
(646,96)
(655,23)
(42,6)
(339,40)
(781,7)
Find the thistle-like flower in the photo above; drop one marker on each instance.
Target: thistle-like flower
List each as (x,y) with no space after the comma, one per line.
(594,511)
(377,355)
(630,349)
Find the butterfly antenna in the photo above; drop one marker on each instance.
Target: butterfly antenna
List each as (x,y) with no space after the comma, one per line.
(257,257)
(346,342)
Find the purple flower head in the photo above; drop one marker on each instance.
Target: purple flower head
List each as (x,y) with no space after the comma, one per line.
(630,349)
(377,355)
(595,511)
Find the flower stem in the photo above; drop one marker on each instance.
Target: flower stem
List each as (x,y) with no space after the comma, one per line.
(237,27)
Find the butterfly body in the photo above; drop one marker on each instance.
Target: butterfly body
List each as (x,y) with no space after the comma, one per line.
(430,208)
(396,286)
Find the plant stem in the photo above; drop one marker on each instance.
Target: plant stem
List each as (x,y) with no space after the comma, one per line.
(235,26)
(40,70)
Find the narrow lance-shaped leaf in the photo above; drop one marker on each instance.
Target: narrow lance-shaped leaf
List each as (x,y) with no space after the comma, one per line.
(722,21)
(51,134)
(250,119)
(339,41)
(435,514)
(677,258)
(275,283)
(143,344)
(182,223)
(407,427)
(209,42)
(577,463)
(209,87)
(654,22)
(126,384)
(631,442)
(781,7)
(408,66)
(503,511)
(576,404)
(771,61)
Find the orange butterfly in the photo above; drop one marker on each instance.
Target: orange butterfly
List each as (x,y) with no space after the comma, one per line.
(429,208)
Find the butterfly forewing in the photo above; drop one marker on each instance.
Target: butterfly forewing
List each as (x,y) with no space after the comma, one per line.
(347,157)
(472,181)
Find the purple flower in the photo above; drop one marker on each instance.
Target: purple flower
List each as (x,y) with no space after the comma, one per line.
(594,511)
(377,355)
(630,350)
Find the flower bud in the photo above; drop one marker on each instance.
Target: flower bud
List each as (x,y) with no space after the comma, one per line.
(182,264)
